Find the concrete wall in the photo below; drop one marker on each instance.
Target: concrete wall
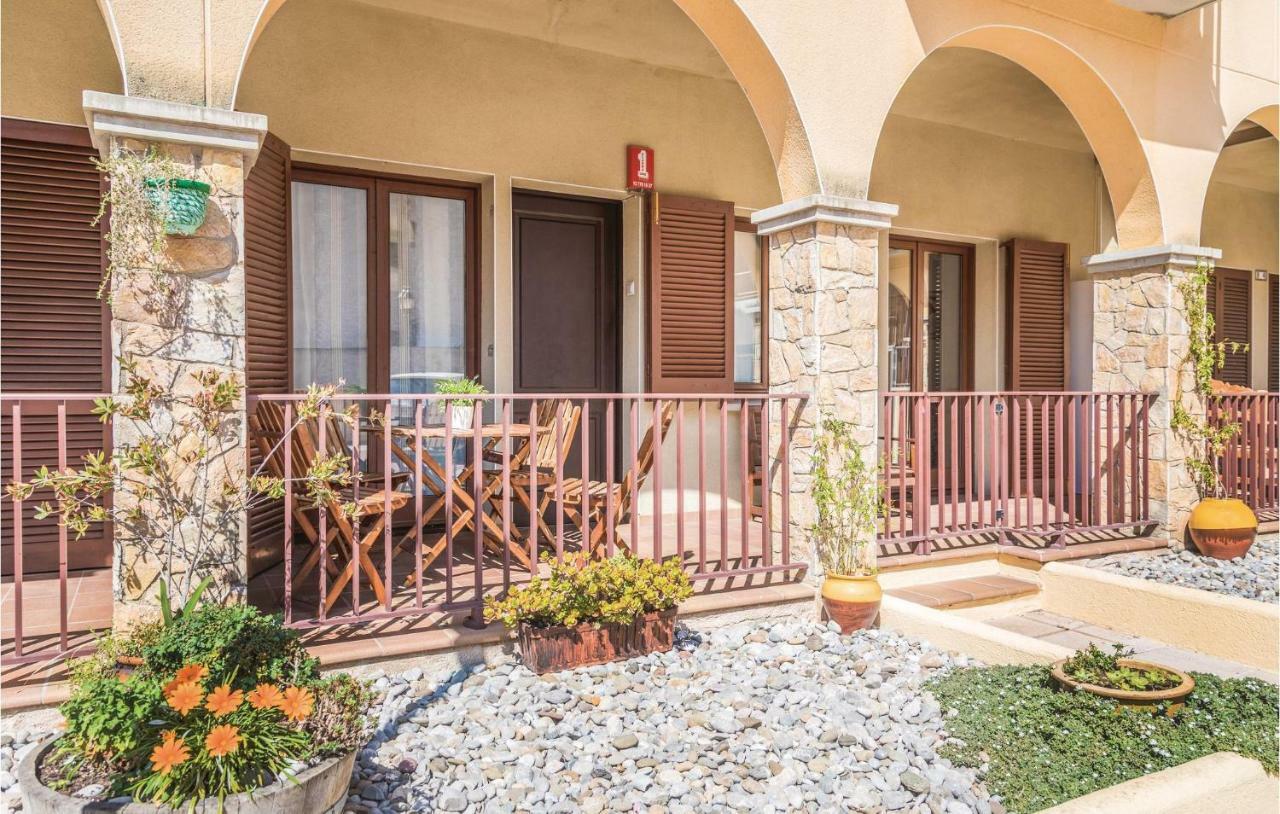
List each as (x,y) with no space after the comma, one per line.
(53,50)
(1242,221)
(965,186)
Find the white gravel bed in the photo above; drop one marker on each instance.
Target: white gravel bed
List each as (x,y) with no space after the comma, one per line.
(1256,575)
(764,717)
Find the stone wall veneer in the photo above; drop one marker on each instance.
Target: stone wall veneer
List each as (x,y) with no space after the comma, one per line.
(193,322)
(822,332)
(1140,344)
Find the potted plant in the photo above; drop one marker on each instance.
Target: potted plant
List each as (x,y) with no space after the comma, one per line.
(182,200)
(461,409)
(226,711)
(848,499)
(1221,527)
(1131,683)
(593,611)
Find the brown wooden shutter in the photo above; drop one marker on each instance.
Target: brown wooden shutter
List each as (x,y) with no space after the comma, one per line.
(691,300)
(1273,332)
(54,335)
(1039,275)
(1229,300)
(268,346)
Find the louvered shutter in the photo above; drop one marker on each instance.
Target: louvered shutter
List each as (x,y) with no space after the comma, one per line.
(267,323)
(1273,332)
(53,327)
(1229,297)
(1039,347)
(691,285)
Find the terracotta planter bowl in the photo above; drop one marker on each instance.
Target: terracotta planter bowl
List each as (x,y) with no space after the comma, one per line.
(322,789)
(853,602)
(551,649)
(1175,698)
(1223,529)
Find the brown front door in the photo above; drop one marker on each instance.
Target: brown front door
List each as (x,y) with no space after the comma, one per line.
(566,305)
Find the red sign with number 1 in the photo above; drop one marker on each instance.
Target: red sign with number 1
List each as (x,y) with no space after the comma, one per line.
(639,167)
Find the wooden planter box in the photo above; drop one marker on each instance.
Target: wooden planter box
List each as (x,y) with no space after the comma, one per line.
(550,649)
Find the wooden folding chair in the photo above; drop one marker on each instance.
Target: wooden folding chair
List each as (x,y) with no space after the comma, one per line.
(543,457)
(593,500)
(342,541)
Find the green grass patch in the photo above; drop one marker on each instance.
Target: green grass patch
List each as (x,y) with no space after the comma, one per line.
(1044,746)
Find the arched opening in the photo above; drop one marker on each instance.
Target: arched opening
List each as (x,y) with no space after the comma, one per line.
(978,154)
(51,52)
(1241,212)
(459,206)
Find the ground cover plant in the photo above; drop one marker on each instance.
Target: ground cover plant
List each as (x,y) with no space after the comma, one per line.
(1044,746)
(222,700)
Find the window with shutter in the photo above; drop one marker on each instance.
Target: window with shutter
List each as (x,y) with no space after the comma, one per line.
(267,322)
(691,285)
(1229,300)
(1039,275)
(53,327)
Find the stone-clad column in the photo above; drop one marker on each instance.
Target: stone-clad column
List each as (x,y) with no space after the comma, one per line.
(1140,343)
(197,325)
(823,328)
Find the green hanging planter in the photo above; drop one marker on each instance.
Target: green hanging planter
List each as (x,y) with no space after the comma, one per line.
(186,199)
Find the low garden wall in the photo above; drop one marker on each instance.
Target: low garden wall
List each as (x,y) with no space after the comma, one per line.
(1226,627)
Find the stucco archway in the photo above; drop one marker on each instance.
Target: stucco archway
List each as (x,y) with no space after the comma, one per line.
(1095,108)
(744,53)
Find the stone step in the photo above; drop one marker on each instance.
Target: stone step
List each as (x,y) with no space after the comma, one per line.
(963,593)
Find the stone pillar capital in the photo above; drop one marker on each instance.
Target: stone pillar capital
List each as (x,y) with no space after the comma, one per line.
(1172,255)
(832,209)
(113,116)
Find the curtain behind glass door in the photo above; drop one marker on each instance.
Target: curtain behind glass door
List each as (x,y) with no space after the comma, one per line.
(330,278)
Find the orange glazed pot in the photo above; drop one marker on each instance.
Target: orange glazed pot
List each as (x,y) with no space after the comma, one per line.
(853,602)
(1223,528)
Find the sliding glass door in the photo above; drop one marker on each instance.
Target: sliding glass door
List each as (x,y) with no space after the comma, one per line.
(384,282)
(930,342)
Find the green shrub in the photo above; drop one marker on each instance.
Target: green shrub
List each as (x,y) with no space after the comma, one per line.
(238,643)
(617,589)
(1045,746)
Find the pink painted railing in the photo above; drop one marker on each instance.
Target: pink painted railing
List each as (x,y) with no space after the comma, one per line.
(45,616)
(1004,465)
(1250,463)
(693,501)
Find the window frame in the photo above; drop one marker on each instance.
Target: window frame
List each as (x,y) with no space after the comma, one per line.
(744,225)
(378,190)
(919,246)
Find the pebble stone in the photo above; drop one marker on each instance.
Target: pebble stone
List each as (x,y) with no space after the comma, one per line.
(762,717)
(1256,575)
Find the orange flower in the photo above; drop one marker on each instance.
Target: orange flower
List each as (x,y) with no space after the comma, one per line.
(223,740)
(191,673)
(185,697)
(265,696)
(171,753)
(223,701)
(298,703)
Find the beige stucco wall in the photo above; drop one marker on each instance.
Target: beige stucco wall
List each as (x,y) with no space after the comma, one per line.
(964,186)
(440,98)
(49,52)
(1243,223)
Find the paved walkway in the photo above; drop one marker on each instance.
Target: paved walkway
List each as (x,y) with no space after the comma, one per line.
(1073,633)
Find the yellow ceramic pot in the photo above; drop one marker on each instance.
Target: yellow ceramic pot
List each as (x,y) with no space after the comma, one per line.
(1223,528)
(852,601)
